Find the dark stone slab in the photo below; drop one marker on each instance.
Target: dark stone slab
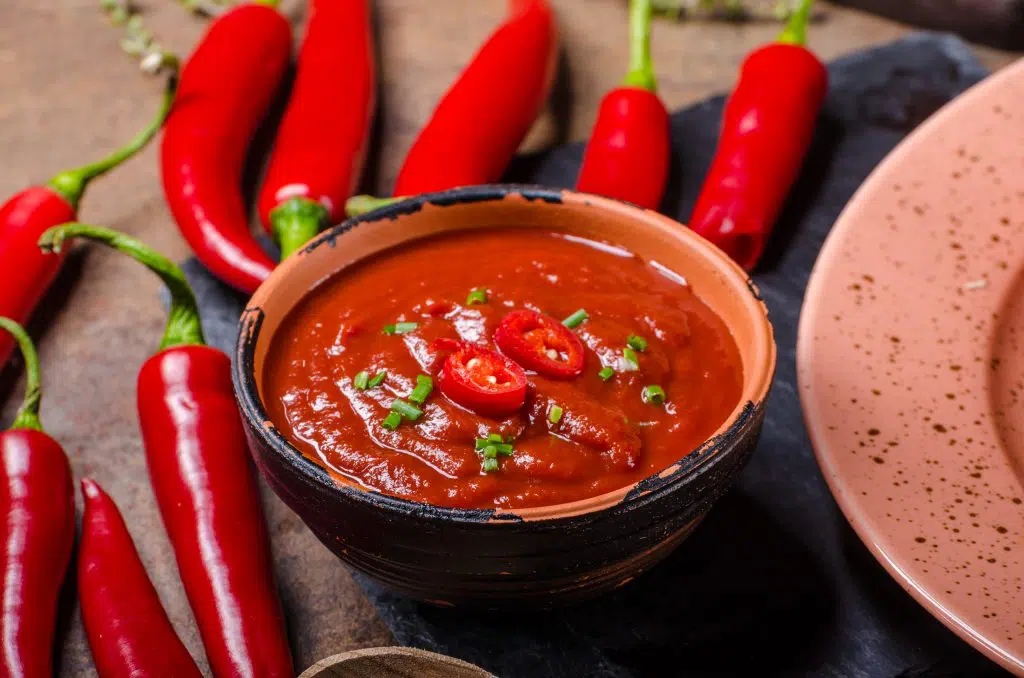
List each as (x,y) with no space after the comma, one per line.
(774,582)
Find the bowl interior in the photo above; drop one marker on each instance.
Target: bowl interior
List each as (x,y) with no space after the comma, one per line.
(664,243)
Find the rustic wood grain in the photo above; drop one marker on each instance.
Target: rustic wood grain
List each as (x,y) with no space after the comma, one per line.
(69,95)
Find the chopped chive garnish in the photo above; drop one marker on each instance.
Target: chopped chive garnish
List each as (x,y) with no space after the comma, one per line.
(489,465)
(392,421)
(377,380)
(653,394)
(494,438)
(575,319)
(504,449)
(424,385)
(481,443)
(361,380)
(478,295)
(637,342)
(629,360)
(400,328)
(555,414)
(606,373)
(410,412)
(490,452)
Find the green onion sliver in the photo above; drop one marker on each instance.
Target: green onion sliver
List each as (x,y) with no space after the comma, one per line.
(555,414)
(481,443)
(361,380)
(504,449)
(494,438)
(490,452)
(407,410)
(653,395)
(400,328)
(424,385)
(392,421)
(637,342)
(606,373)
(478,295)
(377,380)
(630,363)
(575,319)
(489,465)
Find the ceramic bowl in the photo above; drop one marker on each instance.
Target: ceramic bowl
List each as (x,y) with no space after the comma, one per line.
(503,558)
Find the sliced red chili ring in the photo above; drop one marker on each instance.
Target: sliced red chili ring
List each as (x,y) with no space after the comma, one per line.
(483,381)
(540,343)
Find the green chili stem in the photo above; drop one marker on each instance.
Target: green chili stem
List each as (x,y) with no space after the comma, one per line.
(295,222)
(28,413)
(795,32)
(183,325)
(268,3)
(359,205)
(71,184)
(641,66)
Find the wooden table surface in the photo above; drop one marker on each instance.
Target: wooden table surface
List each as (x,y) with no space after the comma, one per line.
(70,95)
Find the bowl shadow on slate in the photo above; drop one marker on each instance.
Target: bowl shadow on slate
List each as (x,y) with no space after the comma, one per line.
(730,585)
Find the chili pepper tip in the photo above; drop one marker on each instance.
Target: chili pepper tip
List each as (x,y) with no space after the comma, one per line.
(90,489)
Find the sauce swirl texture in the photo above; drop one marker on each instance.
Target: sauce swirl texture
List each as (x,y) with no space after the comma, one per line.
(333,374)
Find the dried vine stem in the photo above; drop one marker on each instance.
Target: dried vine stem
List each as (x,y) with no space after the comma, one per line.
(137,41)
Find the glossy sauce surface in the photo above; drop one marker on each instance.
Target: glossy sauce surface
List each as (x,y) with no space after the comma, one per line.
(607,437)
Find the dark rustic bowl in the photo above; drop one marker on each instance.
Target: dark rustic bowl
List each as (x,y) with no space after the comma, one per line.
(509,557)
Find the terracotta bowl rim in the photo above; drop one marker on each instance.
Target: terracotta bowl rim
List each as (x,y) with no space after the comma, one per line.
(756,385)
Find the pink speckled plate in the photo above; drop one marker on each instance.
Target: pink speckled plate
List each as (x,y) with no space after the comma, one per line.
(911,365)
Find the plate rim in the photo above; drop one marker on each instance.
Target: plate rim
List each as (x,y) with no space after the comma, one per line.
(856,516)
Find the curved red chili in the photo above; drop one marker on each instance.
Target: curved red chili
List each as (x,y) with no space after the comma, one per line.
(485,115)
(28,273)
(129,633)
(199,469)
(321,144)
(627,155)
(766,129)
(226,88)
(37,532)
(483,381)
(540,343)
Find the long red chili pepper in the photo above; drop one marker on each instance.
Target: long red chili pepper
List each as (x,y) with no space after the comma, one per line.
(627,155)
(766,129)
(27,273)
(478,125)
(36,533)
(129,633)
(321,144)
(226,88)
(199,469)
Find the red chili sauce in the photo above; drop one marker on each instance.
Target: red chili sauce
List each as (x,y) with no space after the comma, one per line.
(442,372)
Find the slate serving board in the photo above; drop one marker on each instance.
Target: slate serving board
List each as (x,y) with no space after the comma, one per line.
(774,582)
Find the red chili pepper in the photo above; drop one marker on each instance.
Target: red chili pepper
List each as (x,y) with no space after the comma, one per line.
(199,470)
(38,530)
(540,343)
(321,144)
(627,155)
(483,381)
(766,129)
(129,633)
(478,125)
(27,272)
(226,88)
